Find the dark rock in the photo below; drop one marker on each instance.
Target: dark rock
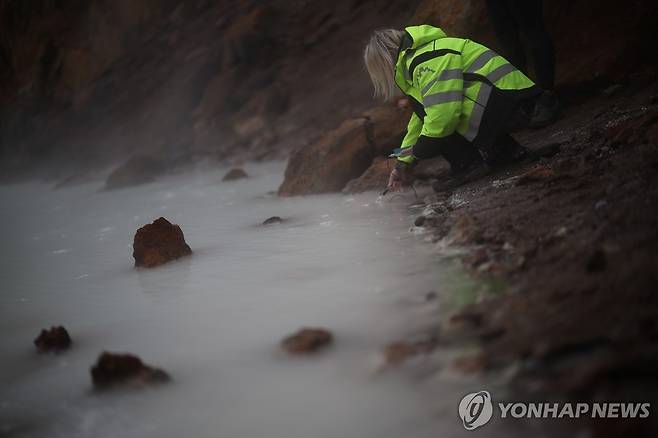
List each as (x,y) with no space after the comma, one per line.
(420,221)
(598,261)
(307,340)
(56,339)
(235,174)
(273,220)
(159,243)
(138,170)
(113,370)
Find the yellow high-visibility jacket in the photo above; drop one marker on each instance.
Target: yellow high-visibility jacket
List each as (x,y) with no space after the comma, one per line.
(450,82)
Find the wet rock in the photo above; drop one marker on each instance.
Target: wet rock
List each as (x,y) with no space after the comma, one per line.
(536,174)
(386,127)
(598,261)
(307,340)
(125,370)
(272,220)
(56,339)
(138,170)
(330,163)
(374,178)
(235,174)
(159,243)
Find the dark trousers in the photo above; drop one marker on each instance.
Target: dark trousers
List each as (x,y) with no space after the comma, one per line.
(519,26)
(500,149)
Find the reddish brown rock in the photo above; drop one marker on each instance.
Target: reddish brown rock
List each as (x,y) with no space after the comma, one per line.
(56,339)
(114,370)
(345,153)
(159,243)
(327,165)
(375,178)
(307,340)
(234,174)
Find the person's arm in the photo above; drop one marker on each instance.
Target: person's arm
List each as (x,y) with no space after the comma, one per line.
(441,84)
(414,128)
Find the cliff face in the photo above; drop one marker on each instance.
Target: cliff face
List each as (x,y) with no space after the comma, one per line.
(92,82)
(88,83)
(596,43)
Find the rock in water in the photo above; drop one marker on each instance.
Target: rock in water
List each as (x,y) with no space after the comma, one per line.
(113,370)
(56,339)
(307,340)
(273,220)
(234,174)
(137,170)
(159,243)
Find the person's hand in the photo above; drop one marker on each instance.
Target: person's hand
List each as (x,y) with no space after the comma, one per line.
(394,181)
(401,175)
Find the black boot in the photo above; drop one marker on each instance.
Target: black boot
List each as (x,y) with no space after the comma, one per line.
(547,109)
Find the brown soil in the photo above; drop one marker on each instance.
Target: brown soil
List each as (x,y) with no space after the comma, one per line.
(574,238)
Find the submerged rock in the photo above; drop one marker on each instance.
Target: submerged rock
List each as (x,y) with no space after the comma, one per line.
(113,370)
(159,243)
(272,220)
(56,339)
(234,174)
(307,340)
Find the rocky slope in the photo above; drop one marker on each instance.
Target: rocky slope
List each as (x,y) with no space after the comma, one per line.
(91,83)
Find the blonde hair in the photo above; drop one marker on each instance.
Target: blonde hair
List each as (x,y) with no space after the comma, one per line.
(379,57)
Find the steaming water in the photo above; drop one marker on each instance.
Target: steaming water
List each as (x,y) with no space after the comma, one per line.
(214,320)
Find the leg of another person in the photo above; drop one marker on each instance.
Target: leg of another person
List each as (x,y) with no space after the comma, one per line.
(507,30)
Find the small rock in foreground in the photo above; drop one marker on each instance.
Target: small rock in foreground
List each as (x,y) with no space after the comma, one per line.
(235,173)
(113,370)
(273,220)
(307,340)
(56,339)
(159,243)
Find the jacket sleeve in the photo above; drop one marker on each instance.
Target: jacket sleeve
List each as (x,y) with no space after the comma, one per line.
(441,84)
(413,132)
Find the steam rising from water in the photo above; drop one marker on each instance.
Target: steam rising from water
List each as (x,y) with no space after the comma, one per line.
(213,320)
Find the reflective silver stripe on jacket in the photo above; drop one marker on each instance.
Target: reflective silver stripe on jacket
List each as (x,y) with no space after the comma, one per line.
(444,75)
(481,60)
(478,112)
(442,97)
(499,72)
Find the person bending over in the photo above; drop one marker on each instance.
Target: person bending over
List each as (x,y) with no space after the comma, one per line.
(466,99)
